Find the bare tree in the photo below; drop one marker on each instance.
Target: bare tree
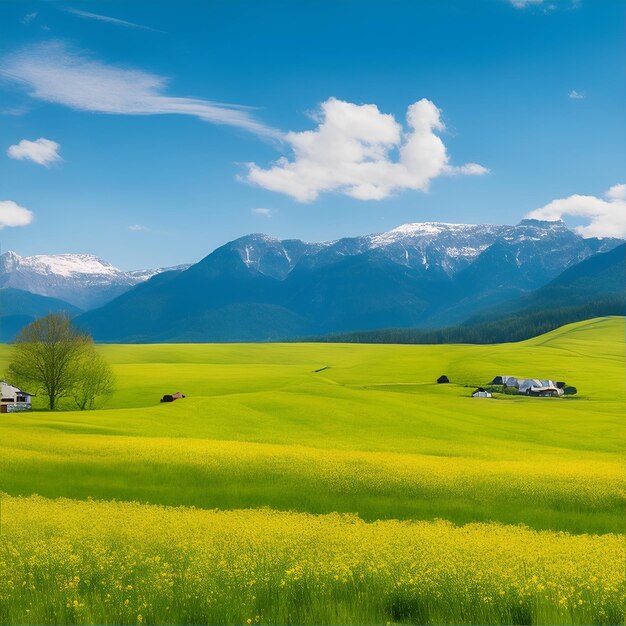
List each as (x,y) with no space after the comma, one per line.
(50,356)
(95,379)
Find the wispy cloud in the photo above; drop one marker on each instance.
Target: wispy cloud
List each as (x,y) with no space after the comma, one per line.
(607,217)
(41,151)
(264,212)
(105,18)
(14,110)
(521,4)
(29,17)
(546,7)
(137,228)
(12,214)
(351,153)
(576,95)
(52,72)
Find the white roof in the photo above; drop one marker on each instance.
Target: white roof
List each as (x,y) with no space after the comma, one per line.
(527,383)
(8,389)
(547,388)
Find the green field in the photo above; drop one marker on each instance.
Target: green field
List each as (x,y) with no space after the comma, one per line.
(370,435)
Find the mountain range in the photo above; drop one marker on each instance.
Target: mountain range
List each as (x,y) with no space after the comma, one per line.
(259,288)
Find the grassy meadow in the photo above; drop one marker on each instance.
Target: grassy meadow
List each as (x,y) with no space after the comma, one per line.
(324,483)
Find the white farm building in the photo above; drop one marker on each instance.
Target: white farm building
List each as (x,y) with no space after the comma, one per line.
(14,399)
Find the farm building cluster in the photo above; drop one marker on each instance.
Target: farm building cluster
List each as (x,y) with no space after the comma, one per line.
(538,387)
(534,386)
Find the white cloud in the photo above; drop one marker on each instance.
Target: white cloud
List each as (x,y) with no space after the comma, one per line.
(616,193)
(12,214)
(54,73)
(264,212)
(607,217)
(351,152)
(576,95)
(138,228)
(41,151)
(106,18)
(469,169)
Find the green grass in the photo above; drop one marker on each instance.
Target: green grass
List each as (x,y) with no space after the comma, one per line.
(371,434)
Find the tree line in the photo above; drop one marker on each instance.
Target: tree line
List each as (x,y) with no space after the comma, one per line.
(517,327)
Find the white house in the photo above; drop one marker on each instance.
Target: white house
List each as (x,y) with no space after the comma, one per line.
(14,399)
(481,393)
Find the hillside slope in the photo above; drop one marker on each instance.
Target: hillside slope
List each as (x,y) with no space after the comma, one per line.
(19,308)
(592,288)
(600,277)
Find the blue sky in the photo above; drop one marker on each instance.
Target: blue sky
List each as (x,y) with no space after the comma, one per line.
(149,133)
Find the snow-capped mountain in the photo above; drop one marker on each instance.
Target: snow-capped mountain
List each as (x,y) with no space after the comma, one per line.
(259,287)
(425,246)
(81,279)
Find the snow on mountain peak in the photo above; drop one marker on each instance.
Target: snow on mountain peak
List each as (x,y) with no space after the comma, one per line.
(9,261)
(83,280)
(68,265)
(425,232)
(429,228)
(419,230)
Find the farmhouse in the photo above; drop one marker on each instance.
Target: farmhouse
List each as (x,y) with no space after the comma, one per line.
(14,399)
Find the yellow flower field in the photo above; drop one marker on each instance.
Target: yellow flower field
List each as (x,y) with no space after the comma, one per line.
(110,562)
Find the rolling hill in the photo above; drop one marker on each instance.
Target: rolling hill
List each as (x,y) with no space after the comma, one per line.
(261,426)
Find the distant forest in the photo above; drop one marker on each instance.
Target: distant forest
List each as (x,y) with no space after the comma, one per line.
(522,325)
